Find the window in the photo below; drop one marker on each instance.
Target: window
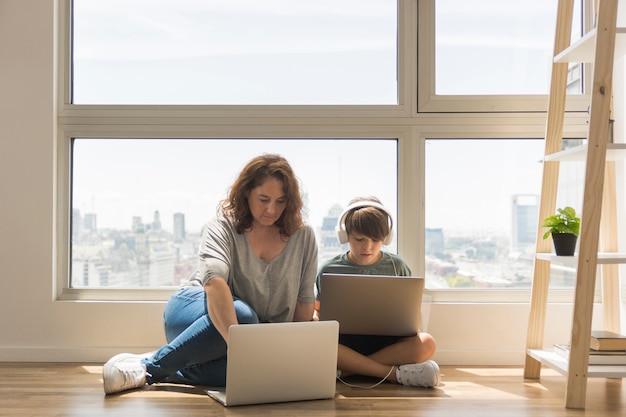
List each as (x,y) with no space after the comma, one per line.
(147,99)
(502,47)
(228,52)
(139,204)
(482,202)
(490,55)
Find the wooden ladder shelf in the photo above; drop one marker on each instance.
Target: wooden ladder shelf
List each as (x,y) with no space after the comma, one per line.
(598,214)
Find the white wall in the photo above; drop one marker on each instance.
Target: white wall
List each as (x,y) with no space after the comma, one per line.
(35,327)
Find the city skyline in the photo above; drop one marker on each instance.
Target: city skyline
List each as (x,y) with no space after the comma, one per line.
(148,256)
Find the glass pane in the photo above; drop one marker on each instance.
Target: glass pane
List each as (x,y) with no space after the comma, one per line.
(234,52)
(482,202)
(138,206)
(494,47)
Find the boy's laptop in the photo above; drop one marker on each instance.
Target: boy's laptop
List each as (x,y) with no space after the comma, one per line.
(278,362)
(372,304)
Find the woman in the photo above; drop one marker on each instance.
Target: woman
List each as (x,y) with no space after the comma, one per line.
(366,225)
(257,263)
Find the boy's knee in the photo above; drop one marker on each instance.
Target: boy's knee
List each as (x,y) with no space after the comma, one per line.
(426,347)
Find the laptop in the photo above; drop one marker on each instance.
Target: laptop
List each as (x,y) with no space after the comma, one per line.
(372,304)
(280,362)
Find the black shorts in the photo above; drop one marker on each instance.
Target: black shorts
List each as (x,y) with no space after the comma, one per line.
(367,344)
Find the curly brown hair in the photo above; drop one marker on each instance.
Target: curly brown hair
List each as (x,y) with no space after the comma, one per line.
(253,175)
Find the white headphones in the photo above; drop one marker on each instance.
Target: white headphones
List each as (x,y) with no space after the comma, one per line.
(342,234)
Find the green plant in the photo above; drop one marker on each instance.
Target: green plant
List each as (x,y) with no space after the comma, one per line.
(564,221)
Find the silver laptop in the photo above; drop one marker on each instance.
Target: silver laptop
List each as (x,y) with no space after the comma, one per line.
(280,362)
(372,304)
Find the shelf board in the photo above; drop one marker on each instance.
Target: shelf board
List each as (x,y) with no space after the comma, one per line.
(614,152)
(583,50)
(603,258)
(559,364)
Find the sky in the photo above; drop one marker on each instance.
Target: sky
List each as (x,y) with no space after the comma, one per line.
(119,179)
(291,52)
(235,52)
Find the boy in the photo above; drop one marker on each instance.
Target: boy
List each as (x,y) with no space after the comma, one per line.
(366,225)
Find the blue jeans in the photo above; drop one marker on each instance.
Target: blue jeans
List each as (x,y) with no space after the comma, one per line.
(195,352)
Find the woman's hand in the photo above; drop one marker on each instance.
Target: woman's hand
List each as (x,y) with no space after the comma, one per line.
(316,311)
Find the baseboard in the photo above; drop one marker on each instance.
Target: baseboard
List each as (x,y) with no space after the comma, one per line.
(480,357)
(99,355)
(65,354)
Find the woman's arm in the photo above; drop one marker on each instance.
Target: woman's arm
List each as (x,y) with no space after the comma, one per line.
(220,305)
(304,311)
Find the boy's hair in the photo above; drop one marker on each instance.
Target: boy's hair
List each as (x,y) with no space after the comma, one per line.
(366,220)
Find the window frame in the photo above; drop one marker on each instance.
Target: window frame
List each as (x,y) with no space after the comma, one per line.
(411,121)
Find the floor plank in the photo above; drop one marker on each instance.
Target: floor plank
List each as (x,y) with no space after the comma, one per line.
(66,389)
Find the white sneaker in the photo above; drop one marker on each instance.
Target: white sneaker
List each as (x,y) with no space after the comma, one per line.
(123,371)
(425,374)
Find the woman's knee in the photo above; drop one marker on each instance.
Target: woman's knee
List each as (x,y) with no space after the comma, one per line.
(245,313)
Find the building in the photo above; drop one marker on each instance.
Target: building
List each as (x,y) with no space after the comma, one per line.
(525,213)
(179,227)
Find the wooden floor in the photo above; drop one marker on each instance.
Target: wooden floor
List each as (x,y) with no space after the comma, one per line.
(61,390)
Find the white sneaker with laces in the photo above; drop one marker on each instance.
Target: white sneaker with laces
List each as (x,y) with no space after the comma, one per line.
(425,374)
(122,372)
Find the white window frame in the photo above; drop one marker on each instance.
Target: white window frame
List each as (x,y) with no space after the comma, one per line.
(412,121)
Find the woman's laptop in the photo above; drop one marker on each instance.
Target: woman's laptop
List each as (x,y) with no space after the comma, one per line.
(372,304)
(279,362)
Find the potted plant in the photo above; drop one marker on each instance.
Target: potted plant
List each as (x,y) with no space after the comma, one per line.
(564,227)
